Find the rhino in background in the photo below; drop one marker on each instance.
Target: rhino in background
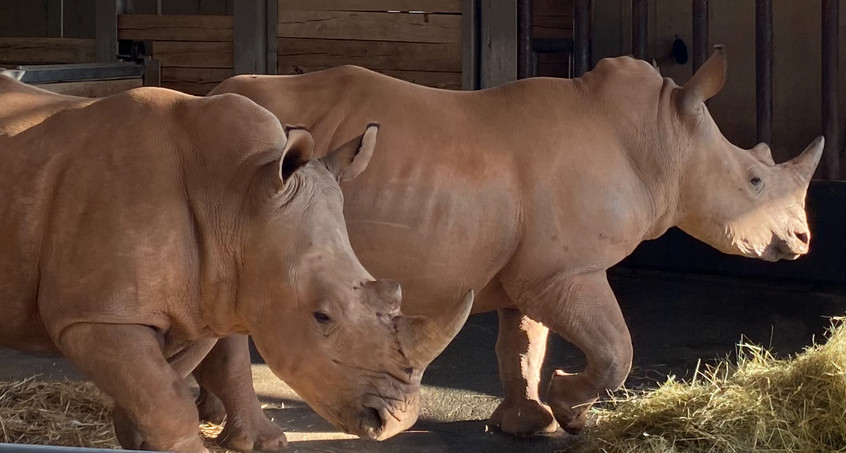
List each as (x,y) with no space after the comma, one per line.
(138,229)
(530,191)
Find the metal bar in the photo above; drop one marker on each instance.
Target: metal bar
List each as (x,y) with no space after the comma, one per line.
(581,37)
(16,448)
(524,39)
(640,19)
(74,72)
(830,21)
(764,68)
(152,72)
(700,33)
(470,44)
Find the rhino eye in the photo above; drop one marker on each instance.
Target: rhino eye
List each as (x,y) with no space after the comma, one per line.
(755,181)
(321,317)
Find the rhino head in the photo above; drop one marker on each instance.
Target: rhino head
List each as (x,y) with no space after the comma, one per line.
(322,323)
(738,201)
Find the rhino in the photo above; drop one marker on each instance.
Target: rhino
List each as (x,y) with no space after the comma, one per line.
(138,229)
(529,192)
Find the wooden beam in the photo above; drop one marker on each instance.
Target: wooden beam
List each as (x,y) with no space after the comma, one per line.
(174,28)
(437,28)
(47,50)
(92,89)
(408,56)
(431,6)
(193,54)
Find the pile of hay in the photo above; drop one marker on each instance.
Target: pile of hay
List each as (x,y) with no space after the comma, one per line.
(55,413)
(759,404)
(70,414)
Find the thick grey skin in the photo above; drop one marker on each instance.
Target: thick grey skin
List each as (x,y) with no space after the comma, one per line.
(530,191)
(138,229)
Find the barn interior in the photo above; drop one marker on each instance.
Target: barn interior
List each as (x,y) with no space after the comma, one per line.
(685,302)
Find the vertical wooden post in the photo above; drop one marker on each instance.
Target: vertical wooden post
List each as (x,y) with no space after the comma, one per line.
(249,43)
(272,17)
(105,22)
(499,42)
(581,37)
(55,18)
(525,65)
(830,27)
(640,19)
(700,33)
(470,44)
(764,68)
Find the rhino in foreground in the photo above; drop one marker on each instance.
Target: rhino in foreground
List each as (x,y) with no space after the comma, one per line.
(137,229)
(530,191)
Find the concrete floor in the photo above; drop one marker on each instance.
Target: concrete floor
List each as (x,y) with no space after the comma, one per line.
(675,320)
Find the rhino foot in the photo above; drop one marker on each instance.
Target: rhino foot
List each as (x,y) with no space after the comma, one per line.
(570,398)
(524,417)
(130,438)
(210,408)
(243,434)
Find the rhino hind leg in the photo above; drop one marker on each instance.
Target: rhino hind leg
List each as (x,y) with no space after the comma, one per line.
(154,408)
(584,311)
(226,383)
(520,350)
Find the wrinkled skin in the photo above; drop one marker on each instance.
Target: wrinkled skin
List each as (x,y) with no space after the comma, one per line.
(530,191)
(138,229)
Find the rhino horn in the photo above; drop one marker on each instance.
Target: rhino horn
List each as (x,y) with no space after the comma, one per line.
(706,82)
(806,163)
(423,338)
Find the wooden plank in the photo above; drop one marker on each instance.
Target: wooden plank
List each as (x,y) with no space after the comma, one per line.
(429,6)
(448,80)
(193,54)
(433,28)
(553,26)
(174,28)
(47,50)
(552,7)
(93,88)
(371,54)
(196,75)
(195,88)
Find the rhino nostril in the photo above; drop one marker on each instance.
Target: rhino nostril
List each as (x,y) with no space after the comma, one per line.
(803,237)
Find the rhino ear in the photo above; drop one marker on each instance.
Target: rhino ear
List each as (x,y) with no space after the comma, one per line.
(762,152)
(707,82)
(297,152)
(352,157)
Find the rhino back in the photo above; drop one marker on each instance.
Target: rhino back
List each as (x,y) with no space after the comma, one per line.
(23,106)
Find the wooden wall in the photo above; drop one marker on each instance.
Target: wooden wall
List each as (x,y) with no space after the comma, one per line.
(553,19)
(195,51)
(414,40)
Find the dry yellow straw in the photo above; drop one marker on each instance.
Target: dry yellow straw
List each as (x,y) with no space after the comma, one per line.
(759,404)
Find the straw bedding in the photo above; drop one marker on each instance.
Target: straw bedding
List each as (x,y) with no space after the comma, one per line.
(759,403)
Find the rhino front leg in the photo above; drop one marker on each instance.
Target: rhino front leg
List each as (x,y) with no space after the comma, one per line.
(584,311)
(155,410)
(520,349)
(225,373)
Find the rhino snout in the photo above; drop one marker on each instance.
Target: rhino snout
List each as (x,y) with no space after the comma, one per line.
(382,418)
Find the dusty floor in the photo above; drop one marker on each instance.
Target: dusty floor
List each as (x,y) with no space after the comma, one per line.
(675,320)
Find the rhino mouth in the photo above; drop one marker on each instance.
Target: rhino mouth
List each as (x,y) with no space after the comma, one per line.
(383,418)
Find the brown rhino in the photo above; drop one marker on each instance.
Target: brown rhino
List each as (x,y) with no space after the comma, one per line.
(530,191)
(138,229)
